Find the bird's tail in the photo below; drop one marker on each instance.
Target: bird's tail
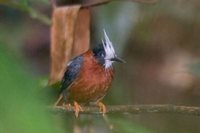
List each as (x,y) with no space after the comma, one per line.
(60,101)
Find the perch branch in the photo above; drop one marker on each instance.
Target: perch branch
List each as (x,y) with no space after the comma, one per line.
(136,109)
(90,3)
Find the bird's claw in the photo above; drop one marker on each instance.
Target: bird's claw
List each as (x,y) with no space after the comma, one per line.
(77,108)
(102,108)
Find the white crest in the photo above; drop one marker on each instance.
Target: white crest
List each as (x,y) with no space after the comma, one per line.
(109,50)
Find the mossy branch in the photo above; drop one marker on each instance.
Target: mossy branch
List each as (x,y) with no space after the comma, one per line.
(33,13)
(136,109)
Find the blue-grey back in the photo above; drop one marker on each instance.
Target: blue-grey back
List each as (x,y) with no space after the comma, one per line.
(72,71)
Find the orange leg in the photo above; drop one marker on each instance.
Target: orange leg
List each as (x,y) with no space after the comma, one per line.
(102,107)
(77,108)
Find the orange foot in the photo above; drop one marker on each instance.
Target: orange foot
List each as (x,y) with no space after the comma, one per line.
(77,108)
(102,108)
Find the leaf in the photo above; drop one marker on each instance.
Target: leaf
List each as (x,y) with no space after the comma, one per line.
(21,111)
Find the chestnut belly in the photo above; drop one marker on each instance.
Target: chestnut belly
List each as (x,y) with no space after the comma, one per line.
(91,88)
(86,93)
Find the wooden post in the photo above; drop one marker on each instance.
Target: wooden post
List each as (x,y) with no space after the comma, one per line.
(70,36)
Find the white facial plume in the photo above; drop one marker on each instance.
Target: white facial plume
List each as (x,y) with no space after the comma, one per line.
(109,51)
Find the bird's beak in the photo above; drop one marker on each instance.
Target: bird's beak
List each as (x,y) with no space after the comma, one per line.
(117,59)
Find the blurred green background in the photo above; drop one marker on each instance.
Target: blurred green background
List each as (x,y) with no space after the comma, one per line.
(160,43)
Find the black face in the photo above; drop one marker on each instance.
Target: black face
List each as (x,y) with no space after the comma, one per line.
(99,54)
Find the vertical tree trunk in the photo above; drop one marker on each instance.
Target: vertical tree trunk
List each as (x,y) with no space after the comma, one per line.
(70,36)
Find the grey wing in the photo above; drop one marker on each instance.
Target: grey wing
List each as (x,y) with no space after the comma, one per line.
(71,73)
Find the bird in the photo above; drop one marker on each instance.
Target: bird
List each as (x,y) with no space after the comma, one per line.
(88,77)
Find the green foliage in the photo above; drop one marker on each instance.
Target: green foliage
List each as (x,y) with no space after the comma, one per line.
(21,108)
